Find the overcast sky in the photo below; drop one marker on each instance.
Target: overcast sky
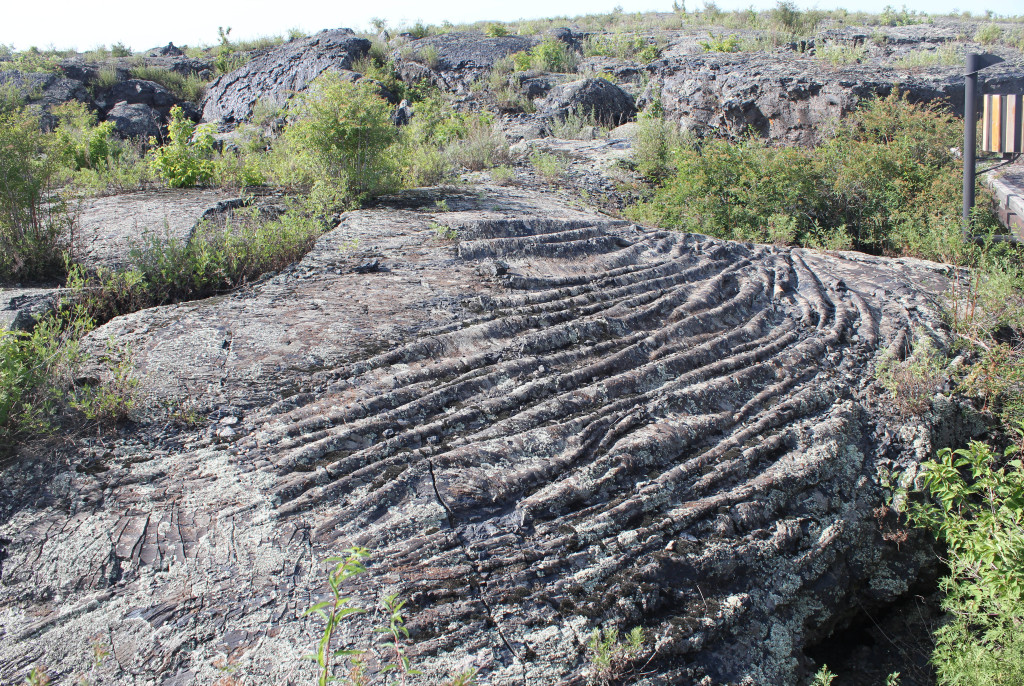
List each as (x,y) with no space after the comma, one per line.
(142,25)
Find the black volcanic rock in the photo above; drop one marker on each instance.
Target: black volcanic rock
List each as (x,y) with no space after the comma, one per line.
(279,74)
(135,120)
(606,102)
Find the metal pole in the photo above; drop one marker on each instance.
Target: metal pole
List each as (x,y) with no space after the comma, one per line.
(970,137)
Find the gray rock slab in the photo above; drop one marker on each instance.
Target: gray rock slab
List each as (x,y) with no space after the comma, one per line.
(554,422)
(21,307)
(108,227)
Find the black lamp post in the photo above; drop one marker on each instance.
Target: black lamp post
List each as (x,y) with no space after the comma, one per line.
(975,63)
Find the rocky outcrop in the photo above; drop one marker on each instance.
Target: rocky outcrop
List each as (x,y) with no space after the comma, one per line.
(141,92)
(21,307)
(455,60)
(604,101)
(276,76)
(41,91)
(556,422)
(789,96)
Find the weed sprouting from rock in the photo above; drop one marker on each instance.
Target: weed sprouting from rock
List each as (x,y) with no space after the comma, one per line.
(395,660)
(610,658)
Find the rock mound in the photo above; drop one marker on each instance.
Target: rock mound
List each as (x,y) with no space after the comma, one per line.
(557,422)
(276,76)
(791,97)
(597,98)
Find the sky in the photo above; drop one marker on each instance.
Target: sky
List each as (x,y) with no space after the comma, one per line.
(142,25)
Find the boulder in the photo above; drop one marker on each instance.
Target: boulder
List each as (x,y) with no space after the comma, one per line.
(277,75)
(606,102)
(553,423)
(536,84)
(135,120)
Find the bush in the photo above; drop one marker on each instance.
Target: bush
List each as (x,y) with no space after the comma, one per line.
(975,505)
(548,55)
(721,43)
(622,46)
(573,126)
(81,142)
(656,143)
(219,258)
(35,228)
(989,34)
(882,181)
(342,144)
(37,372)
(185,160)
(482,147)
(11,98)
(35,375)
(913,381)
(945,55)
(551,167)
(837,55)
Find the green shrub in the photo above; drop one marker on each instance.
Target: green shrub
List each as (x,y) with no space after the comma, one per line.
(610,659)
(503,175)
(551,167)
(220,258)
(975,505)
(426,165)
(891,17)
(37,372)
(391,653)
(548,55)
(418,30)
(577,126)
(36,60)
(988,35)
(482,147)
(623,46)
(656,143)
(496,30)
(34,224)
(913,381)
(107,78)
(185,160)
(11,98)
(81,141)
(945,55)
(120,50)
(838,54)
(342,144)
(721,43)
(883,181)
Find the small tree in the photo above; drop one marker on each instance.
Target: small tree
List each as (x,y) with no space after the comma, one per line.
(185,160)
(34,226)
(342,146)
